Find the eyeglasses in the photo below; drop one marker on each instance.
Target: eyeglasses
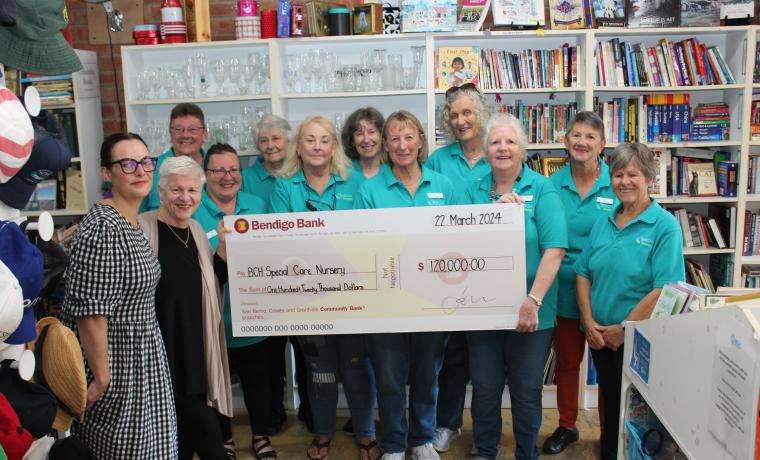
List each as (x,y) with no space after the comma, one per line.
(219,173)
(191,130)
(317,205)
(129,166)
(454,89)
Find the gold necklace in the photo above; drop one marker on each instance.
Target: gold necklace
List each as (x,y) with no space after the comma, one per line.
(187,238)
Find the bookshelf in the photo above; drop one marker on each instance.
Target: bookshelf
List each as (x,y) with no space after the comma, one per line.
(681,386)
(737,45)
(83,116)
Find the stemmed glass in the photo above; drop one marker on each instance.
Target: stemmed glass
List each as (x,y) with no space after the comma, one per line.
(234,72)
(418,56)
(219,70)
(291,72)
(143,85)
(200,64)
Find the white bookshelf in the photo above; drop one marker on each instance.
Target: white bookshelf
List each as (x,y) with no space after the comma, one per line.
(89,131)
(737,45)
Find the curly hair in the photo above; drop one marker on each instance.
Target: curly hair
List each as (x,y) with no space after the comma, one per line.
(370,114)
(483,110)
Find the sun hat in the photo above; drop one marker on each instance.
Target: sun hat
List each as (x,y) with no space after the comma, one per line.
(35,43)
(60,369)
(16,133)
(11,302)
(26,263)
(13,437)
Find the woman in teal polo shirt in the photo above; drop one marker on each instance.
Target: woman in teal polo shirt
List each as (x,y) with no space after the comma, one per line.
(630,255)
(399,358)
(272,134)
(463,118)
(317,176)
(584,187)
(519,355)
(362,142)
(251,358)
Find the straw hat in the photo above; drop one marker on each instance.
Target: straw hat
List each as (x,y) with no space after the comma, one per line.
(60,368)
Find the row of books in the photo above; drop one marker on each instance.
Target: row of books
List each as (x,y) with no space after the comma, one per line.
(546,163)
(54,90)
(678,298)
(753,174)
(65,191)
(543,123)
(67,119)
(697,172)
(751,241)
(550,369)
(683,63)
(754,119)
(751,276)
(663,118)
(704,232)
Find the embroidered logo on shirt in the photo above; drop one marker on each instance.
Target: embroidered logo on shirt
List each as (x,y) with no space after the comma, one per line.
(344,196)
(644,241)
(435,195)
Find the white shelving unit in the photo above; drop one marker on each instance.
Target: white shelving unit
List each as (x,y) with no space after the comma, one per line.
(684,376)
(89,131)
(737,44)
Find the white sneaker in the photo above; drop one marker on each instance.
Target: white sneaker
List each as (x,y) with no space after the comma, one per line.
(444,437)
(424,452)
(394,456)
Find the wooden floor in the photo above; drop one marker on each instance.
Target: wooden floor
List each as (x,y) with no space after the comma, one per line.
(292,442)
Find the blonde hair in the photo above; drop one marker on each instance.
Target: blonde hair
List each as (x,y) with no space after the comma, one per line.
(339,163)
(404,118)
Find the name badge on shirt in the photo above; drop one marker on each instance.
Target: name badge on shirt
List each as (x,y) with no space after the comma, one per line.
(211,234)
(604,200)
(435,195)
(527,198)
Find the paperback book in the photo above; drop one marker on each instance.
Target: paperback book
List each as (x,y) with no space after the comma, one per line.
(737,10)
(700,13)
(609,13)
(566,14)
(457,66)
(652,13)
(472,14)
(701,177)
(428,15)
(518,12)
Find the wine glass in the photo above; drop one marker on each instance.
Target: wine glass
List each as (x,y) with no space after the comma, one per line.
(234,72)
(219,69)
(142,82)
(200,64)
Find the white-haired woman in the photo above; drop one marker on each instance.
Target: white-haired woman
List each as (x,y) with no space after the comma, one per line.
(520,354)
(272,134)
(317,176)
(463,118)
(199,368)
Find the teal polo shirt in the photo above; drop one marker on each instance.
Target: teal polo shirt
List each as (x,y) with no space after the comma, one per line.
(291,194)
(152,201)
(358,168)
(580,215)
(625,264)
(208,215)
(258,181)
(543,228)
(451,162)
(386,191)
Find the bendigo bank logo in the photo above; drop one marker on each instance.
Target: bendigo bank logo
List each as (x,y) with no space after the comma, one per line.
(241,225)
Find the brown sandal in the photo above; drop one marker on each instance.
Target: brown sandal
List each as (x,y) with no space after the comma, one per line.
(319,446)
(368,449)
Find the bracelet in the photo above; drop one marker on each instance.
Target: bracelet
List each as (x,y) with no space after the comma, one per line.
(535,300)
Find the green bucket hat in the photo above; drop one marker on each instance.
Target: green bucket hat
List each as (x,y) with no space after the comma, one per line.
(35,43)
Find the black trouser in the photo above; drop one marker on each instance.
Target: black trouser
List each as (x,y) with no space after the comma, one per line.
(302,377)
(198,430)
(609,369)
(452,382)
(261,369)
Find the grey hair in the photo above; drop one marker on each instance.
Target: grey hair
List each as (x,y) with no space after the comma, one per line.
(508,120)
(633,152)
(270,122)
(483,110)
(587,118)
(182,166)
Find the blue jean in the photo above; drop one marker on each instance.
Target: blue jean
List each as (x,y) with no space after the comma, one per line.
(339,357)
(520,358)
(452,382)
(396,358)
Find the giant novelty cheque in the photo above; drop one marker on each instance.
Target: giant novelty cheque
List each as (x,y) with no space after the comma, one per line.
(382,270)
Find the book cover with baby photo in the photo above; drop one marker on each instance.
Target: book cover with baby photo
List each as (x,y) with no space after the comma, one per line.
(457,66)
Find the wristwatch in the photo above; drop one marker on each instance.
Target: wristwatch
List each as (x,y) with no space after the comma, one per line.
(536,300)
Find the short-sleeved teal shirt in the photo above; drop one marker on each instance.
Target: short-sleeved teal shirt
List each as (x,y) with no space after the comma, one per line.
(580,215)
(386,191)
(358,168)
(450,161)
(544,228)
(625,264)
(294,194)
(152,201)
(208,215)
(258,181)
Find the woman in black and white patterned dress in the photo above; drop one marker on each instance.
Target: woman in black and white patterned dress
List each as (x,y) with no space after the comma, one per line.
(110,303)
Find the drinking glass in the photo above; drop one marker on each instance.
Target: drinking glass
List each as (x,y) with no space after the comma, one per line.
(219,69)
(418,56)
(200,65)
(142,83)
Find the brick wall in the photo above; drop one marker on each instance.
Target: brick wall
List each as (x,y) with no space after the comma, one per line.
(222,28)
